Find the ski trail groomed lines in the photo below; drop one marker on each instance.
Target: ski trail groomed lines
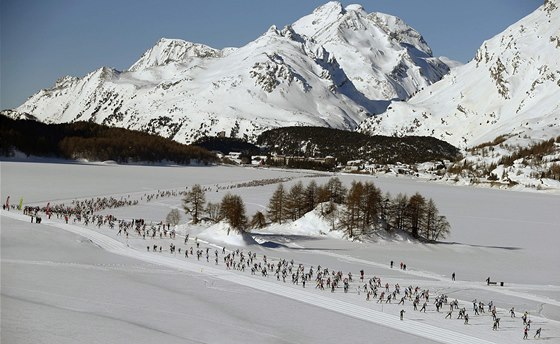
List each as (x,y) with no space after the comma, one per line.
(362,313)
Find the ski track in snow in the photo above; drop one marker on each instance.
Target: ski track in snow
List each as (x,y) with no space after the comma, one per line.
(101,267)
(409,326)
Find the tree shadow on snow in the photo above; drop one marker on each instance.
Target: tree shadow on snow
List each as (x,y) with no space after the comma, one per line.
(272,244)
(279,241)
(474,245)
(283,238)
(315,249)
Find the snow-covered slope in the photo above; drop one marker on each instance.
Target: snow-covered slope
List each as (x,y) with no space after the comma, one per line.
(332,68)
(511,87)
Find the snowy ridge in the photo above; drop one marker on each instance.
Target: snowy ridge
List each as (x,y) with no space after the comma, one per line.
(511,87)
(333,68)
(173,50)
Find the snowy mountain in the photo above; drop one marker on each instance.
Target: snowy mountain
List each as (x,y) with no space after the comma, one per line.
(333,68)
(173,50)
(511,88)
(382,56)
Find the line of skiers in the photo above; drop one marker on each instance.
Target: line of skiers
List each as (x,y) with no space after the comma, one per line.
(373,288)
(238,260)
(331,280)
(86,207)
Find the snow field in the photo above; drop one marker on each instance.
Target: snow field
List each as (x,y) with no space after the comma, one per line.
(412,327)
(429,265)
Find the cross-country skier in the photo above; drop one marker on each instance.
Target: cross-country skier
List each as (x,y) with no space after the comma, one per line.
(538,333)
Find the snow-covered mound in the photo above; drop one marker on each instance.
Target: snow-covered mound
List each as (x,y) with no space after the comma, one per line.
(511,87)
(334,68)
(219,233)
(311,224)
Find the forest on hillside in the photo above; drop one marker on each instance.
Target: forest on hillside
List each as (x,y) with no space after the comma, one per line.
(91,141)
(227,145)
(347,145)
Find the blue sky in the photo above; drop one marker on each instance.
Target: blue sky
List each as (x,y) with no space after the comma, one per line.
(42,40)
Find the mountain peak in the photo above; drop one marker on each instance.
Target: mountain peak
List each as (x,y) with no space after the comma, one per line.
(331,7)
(375,50)
(399,31)
(173,50)
(355,8)
(323,16)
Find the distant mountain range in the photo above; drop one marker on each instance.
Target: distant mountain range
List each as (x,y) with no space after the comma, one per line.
(338,67)
(511,88)
(335,68)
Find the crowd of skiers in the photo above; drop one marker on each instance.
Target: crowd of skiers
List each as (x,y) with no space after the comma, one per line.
(81,209)
(323,278)
(332,280)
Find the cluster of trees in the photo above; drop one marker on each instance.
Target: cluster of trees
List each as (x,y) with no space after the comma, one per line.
(231,208)
(87,140)
(535,151)
(289,205)
(349,145)
(538,156)
(358,211)
(553,172)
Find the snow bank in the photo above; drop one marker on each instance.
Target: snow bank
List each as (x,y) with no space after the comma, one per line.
(218,233)
(311,224)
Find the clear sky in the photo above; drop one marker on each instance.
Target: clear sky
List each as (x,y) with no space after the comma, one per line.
(42,40)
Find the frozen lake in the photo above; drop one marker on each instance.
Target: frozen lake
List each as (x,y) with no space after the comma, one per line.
(57,280)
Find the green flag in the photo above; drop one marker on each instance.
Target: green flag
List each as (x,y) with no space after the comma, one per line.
(20,203)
